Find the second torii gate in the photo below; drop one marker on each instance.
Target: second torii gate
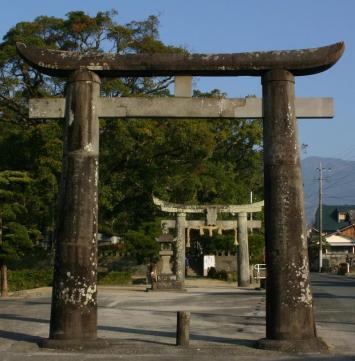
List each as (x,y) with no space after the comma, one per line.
(289,309)
(240,226)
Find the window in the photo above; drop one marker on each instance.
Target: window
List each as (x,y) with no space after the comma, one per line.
(341,216)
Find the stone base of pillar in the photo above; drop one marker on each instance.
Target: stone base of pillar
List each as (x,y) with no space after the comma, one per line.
(310,345)
(245,284)
(167,282)
(74,345)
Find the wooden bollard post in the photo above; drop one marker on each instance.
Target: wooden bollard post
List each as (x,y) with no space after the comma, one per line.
(183,328)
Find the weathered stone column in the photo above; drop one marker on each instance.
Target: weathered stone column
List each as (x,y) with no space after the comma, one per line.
(243,251)
(180,247)
(289,312)
(74,307)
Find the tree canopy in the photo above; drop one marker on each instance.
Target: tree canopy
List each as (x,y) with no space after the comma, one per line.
(190,161)
(14,237)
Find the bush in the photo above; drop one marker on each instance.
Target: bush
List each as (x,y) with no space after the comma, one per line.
(343,268)
(212,273)
(222,275)
(219,275)
(217,243)
(232,277)
(27,279)
(115,278)
(37,258)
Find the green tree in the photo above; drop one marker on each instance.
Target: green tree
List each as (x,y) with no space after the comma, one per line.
(257,247)
(39,141)
(36,150)
(185,161)
(14,237)
(313,247)
(216,244)
(78,32)
(190,161)
(141,243)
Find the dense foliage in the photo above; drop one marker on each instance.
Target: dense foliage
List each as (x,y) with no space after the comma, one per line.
(115,278)
(29,278)
(14,236)
(191,161)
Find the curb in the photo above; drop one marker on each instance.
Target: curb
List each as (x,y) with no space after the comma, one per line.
(41,291)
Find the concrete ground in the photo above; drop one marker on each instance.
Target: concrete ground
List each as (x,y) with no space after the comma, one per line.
(225,323)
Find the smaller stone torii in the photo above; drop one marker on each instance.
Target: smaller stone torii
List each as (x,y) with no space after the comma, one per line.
(240,227)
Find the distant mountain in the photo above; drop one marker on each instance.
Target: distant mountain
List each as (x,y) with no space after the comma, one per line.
(338,184)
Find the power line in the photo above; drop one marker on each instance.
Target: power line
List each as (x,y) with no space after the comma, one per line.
(342,184)
(338,178)
(345,153)
(344,198)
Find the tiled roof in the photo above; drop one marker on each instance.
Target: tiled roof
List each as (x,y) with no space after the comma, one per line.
(330,217)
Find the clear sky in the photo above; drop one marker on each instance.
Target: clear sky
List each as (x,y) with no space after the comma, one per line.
(210,26)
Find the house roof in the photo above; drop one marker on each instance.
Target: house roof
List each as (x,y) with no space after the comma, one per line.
(338,240)
(330,217)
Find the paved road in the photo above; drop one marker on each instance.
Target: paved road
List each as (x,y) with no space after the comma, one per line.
(335,310)
(225,322)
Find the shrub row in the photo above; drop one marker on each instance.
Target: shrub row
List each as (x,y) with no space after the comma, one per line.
(115,278)
(221,275)
(26,279)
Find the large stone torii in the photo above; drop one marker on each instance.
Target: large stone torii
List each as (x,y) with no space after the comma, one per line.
(239,225)
(289,310)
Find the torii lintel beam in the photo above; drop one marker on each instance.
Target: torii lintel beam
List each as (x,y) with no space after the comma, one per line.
(298,62)
(182,208)
(225,225)
(179,107)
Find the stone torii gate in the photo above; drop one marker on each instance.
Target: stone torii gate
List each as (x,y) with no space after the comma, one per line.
(240,226)
(289,310)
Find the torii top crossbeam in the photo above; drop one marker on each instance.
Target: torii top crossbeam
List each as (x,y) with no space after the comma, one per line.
(298,62)
(219,208)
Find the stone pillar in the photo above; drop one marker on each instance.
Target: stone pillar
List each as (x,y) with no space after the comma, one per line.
(243,251)
(74,307)
(289,311)
(180,247)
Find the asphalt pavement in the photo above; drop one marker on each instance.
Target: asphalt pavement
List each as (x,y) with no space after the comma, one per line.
(334,300)
(226,321)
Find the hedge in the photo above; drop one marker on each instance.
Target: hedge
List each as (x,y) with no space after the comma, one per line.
(26,279)
(115,278)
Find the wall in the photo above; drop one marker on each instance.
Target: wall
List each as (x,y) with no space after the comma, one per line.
(227,263)
(348,232)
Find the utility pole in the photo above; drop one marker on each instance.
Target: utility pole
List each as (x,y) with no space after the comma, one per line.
(320,169)
(251,213)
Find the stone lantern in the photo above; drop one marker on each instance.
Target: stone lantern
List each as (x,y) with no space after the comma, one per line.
(165,278)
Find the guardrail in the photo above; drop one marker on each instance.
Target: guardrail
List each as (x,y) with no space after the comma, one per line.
(259,271)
